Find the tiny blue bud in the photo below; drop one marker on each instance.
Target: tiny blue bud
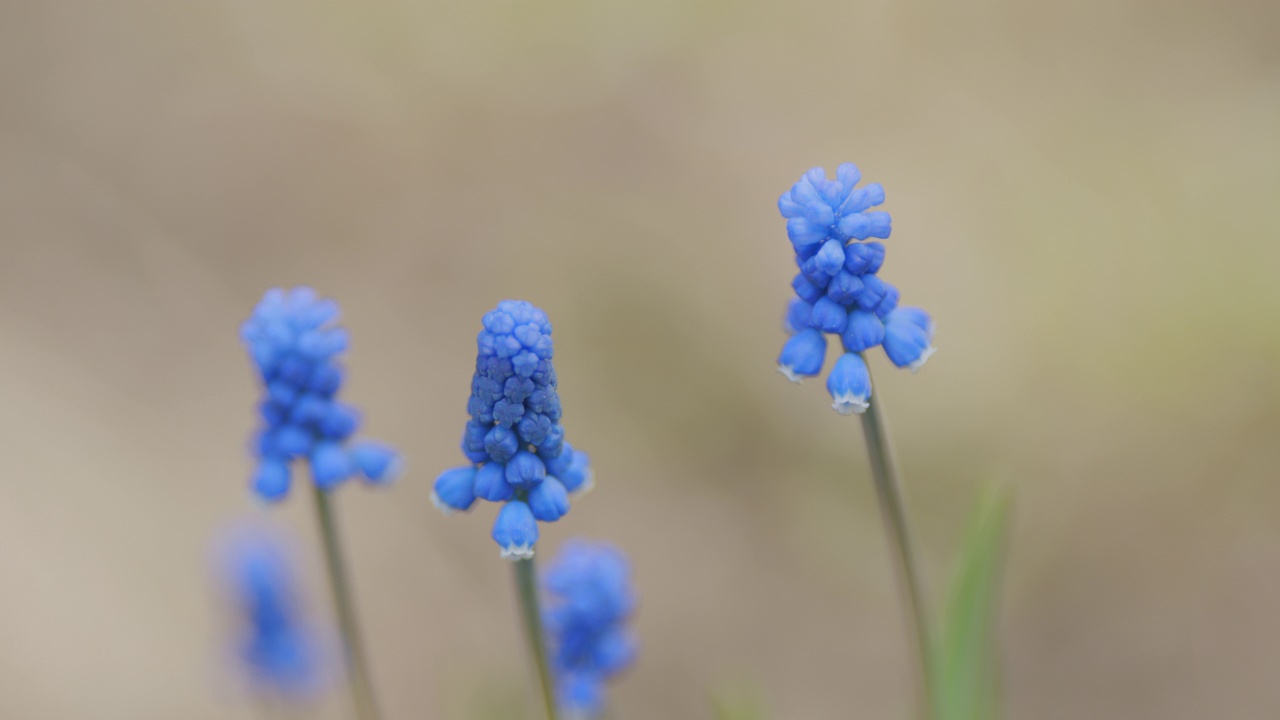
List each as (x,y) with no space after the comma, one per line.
(377,462)
(890,301)
(330,465)
(291,441)
(501,443)
(515,530)
(806,290)
(829,316)
(549,500)
(814,274)
(849,384)
(309,409)
(325,380)
(271,481)
(553,444)
(339,421)
(844,288)
(615,650)
(803,354)
(804,234)
(455,490)
(830,258)
(863,258)
(507,413)
(525,470)
(873,291)
(491,483)
(863,332)
(473,441)
(576,475)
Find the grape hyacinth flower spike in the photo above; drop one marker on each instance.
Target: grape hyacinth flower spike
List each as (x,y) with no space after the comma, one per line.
(838,291)
(295,346)
(589,603)
(517,454)
(278,652)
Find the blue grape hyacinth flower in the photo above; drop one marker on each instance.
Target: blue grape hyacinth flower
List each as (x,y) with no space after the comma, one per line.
(278,652)
(838,290)
(589,603)
(295,347)
(514,440)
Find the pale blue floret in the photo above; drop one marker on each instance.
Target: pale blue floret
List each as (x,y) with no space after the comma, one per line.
(514,438)
(803,354)
(515,530)
(908,337)
(838,291)
(849,384)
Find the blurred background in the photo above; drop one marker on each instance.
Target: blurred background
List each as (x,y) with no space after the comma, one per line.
(1084,195)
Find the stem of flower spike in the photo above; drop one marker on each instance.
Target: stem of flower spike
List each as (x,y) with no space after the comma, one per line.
(530,611)
(888,483)
(366,706)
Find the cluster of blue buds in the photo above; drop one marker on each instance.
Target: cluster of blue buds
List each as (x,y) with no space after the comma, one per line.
(838,290)
(514,439)
(278,651)
(589,600)
(295,347)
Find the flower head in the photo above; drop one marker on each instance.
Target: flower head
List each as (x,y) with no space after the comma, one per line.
(279,654)
(514,439)
(589,603)
(838,291)
(295,347)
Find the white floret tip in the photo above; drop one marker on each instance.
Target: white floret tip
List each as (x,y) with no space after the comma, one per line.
(790,373)
(517,552)
(588,482)
(850,404)
(441,505)
(924,357)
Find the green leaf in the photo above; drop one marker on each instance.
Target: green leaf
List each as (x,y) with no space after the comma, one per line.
(967,669)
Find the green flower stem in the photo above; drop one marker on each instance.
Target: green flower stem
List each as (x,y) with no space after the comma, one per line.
(888,484)
(366,706)
(527,588)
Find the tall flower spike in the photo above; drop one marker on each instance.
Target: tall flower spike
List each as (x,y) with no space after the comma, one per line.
(514,441)
(589,603)
(839,291)
(277,650)
(295,347)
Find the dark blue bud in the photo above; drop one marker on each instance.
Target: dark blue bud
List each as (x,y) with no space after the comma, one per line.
(849,384)
(863,332)
(293,371)
(525,470)
(863,258)
(549,500)
(576,475)
(533,428)
(271,481)
(829,316)
(873,292)
(339,421)
(806,290)
(814,274)
(558,465)
(309,409)
(501,443)
(491,483)
(515,530)
(890,301)
(553,444)
(325,380)
(291,441)
(803,354)
(273,413)
(798,314)
(507,413)
(282,393)
(473,441)
(517,389)
(844,288)
(455,490)
(480,409)
(330,465)
(525,364)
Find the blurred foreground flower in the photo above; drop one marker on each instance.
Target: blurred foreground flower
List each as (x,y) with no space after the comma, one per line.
(295,347)
(838,290)
(590,599)
(278,651)
(514,439)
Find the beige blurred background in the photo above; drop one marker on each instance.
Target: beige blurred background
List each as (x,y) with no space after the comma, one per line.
(1084,195)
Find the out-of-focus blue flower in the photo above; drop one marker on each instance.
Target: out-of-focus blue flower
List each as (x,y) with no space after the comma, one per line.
(589,602)
(295,347)
(838,291)
(277,650)
(514,439)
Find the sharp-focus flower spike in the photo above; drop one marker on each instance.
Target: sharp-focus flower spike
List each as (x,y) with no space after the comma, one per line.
(908,337)
(514,437)
(515,530)
(455,490)
(849,384)
(838,288)
(296,351)
(803,354)
(589,603)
